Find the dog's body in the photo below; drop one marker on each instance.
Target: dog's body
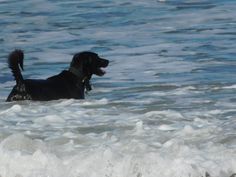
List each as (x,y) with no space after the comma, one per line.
(67,84)
(63,85)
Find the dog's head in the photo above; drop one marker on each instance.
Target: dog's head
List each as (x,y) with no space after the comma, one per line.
(89,63)
(85,64)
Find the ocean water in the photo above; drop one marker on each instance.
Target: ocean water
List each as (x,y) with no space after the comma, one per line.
(165,108)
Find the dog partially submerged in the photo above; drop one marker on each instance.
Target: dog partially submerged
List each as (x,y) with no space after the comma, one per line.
(69,83)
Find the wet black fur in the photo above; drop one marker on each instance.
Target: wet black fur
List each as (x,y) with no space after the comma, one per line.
(69,83)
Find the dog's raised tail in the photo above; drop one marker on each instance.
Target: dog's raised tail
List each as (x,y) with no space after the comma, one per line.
(15,63)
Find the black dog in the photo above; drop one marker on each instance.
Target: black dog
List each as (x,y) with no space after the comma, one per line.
(67,84)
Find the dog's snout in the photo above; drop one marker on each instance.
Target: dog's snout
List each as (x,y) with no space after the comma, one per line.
(104,62)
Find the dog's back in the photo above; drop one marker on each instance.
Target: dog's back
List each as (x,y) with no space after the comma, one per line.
(59,86)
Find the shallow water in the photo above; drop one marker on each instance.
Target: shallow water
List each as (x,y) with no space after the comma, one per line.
(166,107)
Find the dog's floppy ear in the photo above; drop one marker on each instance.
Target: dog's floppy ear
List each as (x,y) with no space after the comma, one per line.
(77,65)
(81,61)
(76,62)
(80,67)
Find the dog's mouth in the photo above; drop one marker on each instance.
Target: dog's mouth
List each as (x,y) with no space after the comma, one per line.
(100,71)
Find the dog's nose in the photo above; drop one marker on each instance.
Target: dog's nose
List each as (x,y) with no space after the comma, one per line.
(104,62)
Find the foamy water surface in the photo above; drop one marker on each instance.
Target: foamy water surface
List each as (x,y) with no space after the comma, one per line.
(165,108)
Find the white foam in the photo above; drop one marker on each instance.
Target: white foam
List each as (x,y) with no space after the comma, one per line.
(48,119)
(20,143)
(166,127)
(139,127)
(12,110)
(174,158)
(102,101)
(166,113)
(230,87)
(75,149)
(16,108)
(66,102)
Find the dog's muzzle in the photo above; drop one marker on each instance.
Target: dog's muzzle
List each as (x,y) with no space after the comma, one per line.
(103,63)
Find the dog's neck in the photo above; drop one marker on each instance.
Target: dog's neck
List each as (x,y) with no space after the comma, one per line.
(81,77)
(78,73)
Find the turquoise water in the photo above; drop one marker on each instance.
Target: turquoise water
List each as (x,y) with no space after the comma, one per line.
(166,107)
